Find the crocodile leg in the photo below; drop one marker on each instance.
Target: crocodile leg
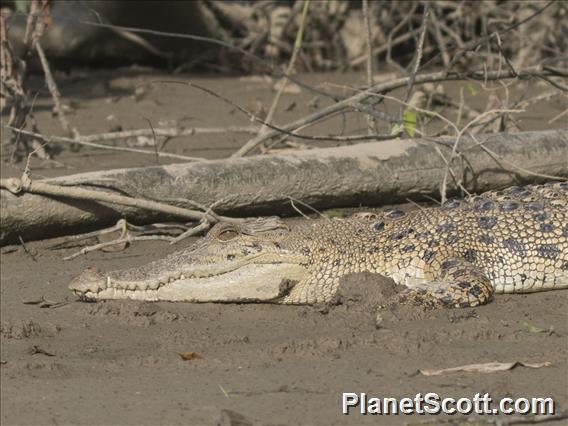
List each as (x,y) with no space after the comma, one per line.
(456,283)
(314,288)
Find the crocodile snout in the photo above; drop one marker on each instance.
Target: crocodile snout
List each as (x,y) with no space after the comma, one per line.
(90,280)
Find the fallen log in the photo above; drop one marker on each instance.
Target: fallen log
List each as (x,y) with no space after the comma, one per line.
(365,174)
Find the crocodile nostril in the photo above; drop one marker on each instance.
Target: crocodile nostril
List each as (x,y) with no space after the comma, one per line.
(230,257)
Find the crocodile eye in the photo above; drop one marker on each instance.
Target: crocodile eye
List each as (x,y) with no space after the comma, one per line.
(227,235)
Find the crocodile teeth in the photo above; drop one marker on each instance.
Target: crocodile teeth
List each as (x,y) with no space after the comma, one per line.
(142,286)
(154,285)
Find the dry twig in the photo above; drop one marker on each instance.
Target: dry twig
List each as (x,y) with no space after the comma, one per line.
(17,186)
(371,124)
(80,141)
(356,100)
(417,57)
(13,95)
(289,69)
(168,132)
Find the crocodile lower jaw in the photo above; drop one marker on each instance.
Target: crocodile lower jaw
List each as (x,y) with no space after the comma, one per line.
(249,283)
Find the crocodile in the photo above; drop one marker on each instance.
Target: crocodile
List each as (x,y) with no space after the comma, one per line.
(457,254)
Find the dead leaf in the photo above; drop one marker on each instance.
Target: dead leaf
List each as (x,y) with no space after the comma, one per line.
(289,88)
(232,418)
(529,328)
(488,367)
(44,303)
(331,213)
(189,356)
(140,93)
(116,247)
(291,106)
(255,79)
(37,350)
(33,302)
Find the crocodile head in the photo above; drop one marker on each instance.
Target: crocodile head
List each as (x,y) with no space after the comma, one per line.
(233,263)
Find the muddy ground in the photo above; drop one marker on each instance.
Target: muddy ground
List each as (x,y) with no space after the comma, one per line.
(119,363)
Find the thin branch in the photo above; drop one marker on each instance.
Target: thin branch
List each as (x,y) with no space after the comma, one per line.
(417,57)
(474,44)
(441,43)
(408,35)
(26,250)
(169,132)
(274,128)
(496,157)
(142,42)
(55,95)
(273,71)
(80,141)
(125,240)
(203,226)
(289,69)
(154,141)
(385,87)
(371,123)
(293,200)
(558,116)
(385,48)
(17,186)
(459,135)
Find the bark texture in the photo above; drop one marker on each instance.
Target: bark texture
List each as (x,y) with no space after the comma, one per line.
(365,174)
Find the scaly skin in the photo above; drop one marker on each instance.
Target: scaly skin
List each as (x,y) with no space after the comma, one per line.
(456,255)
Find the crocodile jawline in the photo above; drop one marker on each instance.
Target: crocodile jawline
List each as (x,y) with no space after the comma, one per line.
(249,283)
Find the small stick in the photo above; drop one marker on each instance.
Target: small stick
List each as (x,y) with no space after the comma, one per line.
(29,253)
(458,139)
(292,200)
(25,184)
(558,116)
(300,212)
(51,139)
(120,225)
(125,240)
(168,132)
(289,69)
(276,128)
(473,44)
(55,95)
(496,157)
(371,123)
(417,57)
(378,50)
(440,39)
(460,133)
(410,34)
(155,141)
(385,87)
(203,226)
(456,180)
(273,71)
